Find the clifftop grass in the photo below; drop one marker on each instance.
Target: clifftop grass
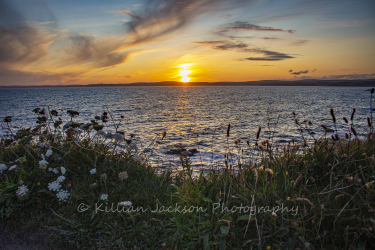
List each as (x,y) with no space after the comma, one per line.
(307,196)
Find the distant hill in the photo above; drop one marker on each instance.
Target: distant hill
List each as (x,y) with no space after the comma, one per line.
(310,82)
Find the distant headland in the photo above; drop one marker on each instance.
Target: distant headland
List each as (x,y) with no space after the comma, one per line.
(276,83)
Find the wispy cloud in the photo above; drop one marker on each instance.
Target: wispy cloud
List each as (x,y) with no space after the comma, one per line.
(224,45)
(243,25)
(242,47)
(162,17)
(299,42)
(267,55)
(86,49)
(270,38)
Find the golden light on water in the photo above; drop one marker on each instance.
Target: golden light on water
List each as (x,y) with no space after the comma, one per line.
(184,71)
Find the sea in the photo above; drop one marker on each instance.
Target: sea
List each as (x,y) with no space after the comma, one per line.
(198,117)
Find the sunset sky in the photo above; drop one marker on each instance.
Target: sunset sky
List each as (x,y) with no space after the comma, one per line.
(59,42)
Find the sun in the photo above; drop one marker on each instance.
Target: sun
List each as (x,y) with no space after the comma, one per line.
(184,71)
(184,75)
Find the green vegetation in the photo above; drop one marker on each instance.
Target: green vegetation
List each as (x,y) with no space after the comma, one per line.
(84,192)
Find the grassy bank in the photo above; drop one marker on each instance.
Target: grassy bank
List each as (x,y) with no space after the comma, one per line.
(77,187)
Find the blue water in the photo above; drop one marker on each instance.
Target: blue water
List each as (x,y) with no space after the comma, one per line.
(185,112)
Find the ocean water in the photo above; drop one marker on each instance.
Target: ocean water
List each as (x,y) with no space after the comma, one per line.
(197,117)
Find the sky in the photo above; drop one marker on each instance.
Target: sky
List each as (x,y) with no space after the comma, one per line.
(63,42)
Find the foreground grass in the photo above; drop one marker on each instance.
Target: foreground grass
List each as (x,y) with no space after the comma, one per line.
(320,197)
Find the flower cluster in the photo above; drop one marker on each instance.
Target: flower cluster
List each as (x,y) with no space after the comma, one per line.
(48,153)
(2,168)
(93,171)
(54,186)
(118,137)
(43,163)
(60,178)
(104,197)
(22,191)
(53,170)
(63,195)
(63,170)
(125,203)
(123,175)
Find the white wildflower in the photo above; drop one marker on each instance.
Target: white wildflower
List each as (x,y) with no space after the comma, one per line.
(104,197)
(123,175)
(22,191)
(63,170)
(118,137)
(2,168)
(53,170)
(125,203)
(42,145)
(12,167)
(63,195)
(49,153)
(101,133)
(54,186)
(93,171)
(43,162)
(60,178)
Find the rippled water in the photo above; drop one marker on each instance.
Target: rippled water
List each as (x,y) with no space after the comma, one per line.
(185,112)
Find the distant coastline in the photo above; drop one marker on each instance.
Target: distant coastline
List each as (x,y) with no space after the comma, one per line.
(297,83)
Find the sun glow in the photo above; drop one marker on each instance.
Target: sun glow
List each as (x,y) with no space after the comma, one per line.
(184,71)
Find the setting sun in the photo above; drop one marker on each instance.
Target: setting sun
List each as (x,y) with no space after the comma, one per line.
(184,71)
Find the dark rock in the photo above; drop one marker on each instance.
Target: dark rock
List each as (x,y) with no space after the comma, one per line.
(193,150)
(182,151)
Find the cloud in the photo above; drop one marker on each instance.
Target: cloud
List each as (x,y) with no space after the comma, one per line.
(270,38)
(299,72)
(21,42)
(211,42)
(268,55)
(299,42)
(162,17)
(224,45)
(243,25)
(242,47)
(98,53)
(229,46)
